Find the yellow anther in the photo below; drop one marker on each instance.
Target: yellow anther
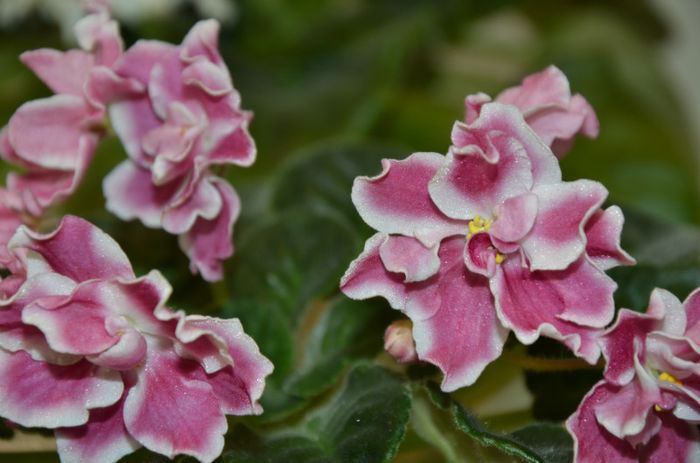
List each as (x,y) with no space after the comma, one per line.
(479,224)
(499,257)
(669,378)
(658,409)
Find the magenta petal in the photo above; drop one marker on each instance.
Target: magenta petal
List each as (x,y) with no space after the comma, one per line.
(235,145)
(98,34)
(480,255)
(214,80)
(569,305)
(473,181)
(592,442)
(104,438)
(98,255)
(473,104)
(131,194)
(549,87)
(464,334)
(368,277)
(208,242)
(34,393)
(625,413)
(514,218)
(397,200)
(238,385)
(171,414)
(408,256)
(47,132)
(603,239)
(131,119)
(676,441)
(205,201)
(497,117)
(557,238)
(201,42)
(62,72)
(692,311)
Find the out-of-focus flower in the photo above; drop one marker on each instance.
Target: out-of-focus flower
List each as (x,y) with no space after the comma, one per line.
(66,13)
(53,139)
(647,406)
(188,120)
(92,351)
(485,240)
(548,107)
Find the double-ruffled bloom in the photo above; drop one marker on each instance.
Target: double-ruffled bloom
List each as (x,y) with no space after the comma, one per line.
(186,121)
(53,139)
(648,405)
(485,240)
(548,107)
(92,351)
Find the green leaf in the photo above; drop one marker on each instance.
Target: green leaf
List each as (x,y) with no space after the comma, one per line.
(292,259)
(536,443)
(321,177)
(551,442)
(348,330)
(364,421)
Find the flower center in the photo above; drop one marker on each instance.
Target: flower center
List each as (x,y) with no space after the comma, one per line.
(479,224)
(668,378)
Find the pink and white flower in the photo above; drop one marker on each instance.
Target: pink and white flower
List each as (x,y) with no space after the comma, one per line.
(548,107)
(92,351)
(647,406)
(186,121)
(53,139)
(485,240)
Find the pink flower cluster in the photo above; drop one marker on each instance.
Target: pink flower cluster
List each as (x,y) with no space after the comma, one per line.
(648,404)
(92,351)
(488,239)
(175,111)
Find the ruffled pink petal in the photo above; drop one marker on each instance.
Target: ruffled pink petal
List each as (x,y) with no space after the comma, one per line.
(48,132)
(514,218)
(397,200)
(498,117)
(367,277)
(99,35)
(569,305)
(692,313)
(464,334)
(202,42)
(206,202)
(208,242)
(408,256)
(131,119)
(473,104)
(475,179)
(36,393)
(625,413)
(235,145)
(103,85)
(104,438)
(677,440)
(171,414)
(592,442)
(212,79)
(623,342)
(603,231)
(557,238)
(549,87)
(9,221)
(77,249)
(480,255)
(130,193)
(62,72)
(238,385)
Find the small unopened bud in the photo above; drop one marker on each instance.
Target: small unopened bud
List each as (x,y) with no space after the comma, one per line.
(398,341)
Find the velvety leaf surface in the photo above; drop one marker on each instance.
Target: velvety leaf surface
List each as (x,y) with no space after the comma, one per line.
(363,422)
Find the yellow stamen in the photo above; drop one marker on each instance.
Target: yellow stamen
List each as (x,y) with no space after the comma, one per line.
(670,379)
(479,224)
(499,257)
(658,409)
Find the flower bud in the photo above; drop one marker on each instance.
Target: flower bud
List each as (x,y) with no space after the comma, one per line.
(398,341)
